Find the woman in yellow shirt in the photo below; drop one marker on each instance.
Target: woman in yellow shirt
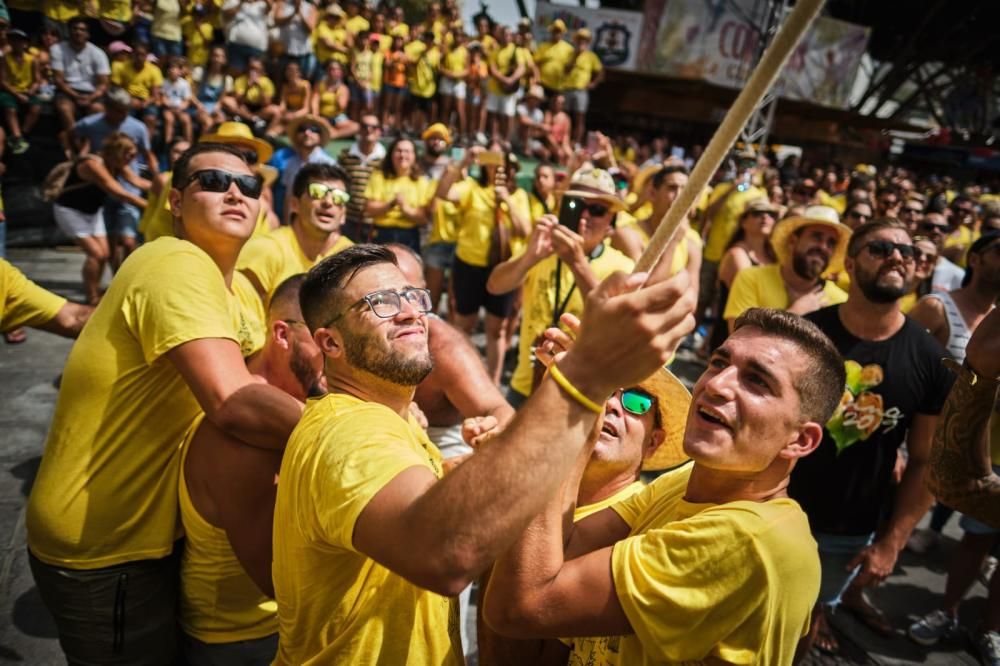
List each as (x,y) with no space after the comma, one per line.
(399,197)
(491,210)
(330,100)
(294,99)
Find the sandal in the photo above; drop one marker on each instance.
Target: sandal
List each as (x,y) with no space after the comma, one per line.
(15,337)
(823,638)
(864,612)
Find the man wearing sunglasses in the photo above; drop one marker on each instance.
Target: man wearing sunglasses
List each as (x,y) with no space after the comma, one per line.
(370,541)
(318,198)
(309,134)
(711,562)
(896,386)
(947,274)
(559,268)
(167,341)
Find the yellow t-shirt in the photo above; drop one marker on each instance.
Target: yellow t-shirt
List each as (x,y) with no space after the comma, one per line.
(254,95)
(962,237)
(582,512)
(356,24)
(727,218)
(540,302)
(443,229)
(477,219)
(337,34)
(335,604)
(682,251)
(61,11)
(198,37)
(140,83)
(763,287)
(20,74)
(219,602)
(552,60)
(116,10)
(732,582)
(276,256)
(456,62)
(421,76)
(505,60)
(417,192)
(401,30)
(328,104)
(586,66)
(22,302)
(106,491)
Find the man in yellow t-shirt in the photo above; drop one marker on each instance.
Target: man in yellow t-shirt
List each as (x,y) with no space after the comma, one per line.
(24,303)
(583,73)
(142,79)
(362,488)
(332,39)
(227,490)
(423,58)
(506,67)
(167,342)
(643,431)
(712,562)
(552,57)
(252,100)
(319,200)
(559,267)
(807,247)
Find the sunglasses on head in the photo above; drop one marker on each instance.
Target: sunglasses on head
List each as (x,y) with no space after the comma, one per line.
(217,180)
(636,401)
(318,191)
(882,249)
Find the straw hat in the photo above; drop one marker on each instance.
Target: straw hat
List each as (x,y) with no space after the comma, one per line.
(813,215)
(268,172)
(759,205)
(557,26)
(583,33)
(335,10)
(324,128)
(639,179)
(536,91)
(437,129)
(239,134)
(593,183)
(672,402)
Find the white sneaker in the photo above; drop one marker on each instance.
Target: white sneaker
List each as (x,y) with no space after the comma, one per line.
(988,644)
(932,627)
(986,572)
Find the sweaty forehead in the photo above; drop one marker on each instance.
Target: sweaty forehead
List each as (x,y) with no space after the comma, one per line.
(218,160)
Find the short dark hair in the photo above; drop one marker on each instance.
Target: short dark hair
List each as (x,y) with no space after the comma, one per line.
(183,163)
(312,173)
(389,169)
(661,175)
(285,299)
(76,20)
(862,233)
(321,295)
(821,385)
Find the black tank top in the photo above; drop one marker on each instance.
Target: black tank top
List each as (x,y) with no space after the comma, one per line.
(85,198)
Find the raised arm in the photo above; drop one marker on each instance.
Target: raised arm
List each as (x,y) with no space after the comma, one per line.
(472,515)
(509,275)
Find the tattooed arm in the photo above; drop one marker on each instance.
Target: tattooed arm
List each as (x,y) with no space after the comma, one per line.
(960,472)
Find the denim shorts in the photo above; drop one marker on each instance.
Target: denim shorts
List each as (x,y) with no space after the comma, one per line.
(835,552)
(238,56)
(439,256)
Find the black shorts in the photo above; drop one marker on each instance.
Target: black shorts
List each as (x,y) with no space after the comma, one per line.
(421,103)
(469,286)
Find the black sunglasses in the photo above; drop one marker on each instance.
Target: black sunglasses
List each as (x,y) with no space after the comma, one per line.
(369,127)
(858,215)
(596,209)
(930,226)
(882,249)
(308,128)
(217,180)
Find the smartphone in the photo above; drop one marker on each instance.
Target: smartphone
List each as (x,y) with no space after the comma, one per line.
(570,212)
(458,153)
(592,145)
(490,158)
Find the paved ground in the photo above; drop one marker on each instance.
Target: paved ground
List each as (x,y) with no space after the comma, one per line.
(27,397)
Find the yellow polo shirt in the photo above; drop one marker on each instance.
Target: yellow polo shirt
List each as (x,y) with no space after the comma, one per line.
(22,302)
(276,256)
(138,83)
(335,604)
(416,192)
(106,491)
(763,287)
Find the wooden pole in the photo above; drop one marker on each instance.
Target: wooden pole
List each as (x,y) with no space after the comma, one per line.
(763,77)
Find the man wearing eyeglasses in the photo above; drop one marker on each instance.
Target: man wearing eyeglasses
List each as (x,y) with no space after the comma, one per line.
(371,543)
(167,342)
(559,267)
(308,134)
(318,198)
(896,386)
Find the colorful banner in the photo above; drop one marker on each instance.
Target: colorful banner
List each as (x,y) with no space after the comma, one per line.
(715,40)
(616,33)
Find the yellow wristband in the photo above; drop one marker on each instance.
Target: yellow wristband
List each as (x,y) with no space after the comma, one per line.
(573,391)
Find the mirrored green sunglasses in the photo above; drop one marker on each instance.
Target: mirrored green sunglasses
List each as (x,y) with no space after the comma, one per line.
(636,401)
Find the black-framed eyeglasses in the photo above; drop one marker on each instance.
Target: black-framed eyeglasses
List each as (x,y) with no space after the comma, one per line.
(217,180)
(387,303)
(883,249)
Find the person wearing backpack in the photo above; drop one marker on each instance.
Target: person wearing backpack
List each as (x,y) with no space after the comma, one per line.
(77,200)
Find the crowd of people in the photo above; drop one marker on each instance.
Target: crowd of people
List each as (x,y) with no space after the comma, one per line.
(275,440)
